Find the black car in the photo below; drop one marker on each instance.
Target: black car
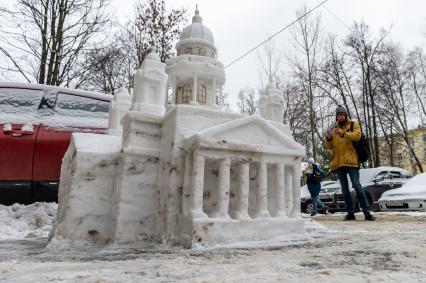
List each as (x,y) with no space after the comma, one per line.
(375,182)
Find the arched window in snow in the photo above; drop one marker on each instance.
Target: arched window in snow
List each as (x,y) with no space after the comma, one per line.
(183,94)
(201,94)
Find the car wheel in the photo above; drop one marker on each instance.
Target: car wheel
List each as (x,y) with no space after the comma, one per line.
(309,208)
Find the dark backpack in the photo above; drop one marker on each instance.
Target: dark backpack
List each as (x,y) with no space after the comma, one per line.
(361,147)
(316,178)
(316,175)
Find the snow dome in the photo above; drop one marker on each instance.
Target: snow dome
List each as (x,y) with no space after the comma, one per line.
(196,39)
(195,76)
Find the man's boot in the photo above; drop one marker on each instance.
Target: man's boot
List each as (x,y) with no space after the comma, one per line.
(350,216)
(313,213)
(369,217)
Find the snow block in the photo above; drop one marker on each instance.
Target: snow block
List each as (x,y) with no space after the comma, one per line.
(86,185)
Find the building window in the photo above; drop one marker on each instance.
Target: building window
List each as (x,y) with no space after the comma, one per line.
(179,94)
(399,157)
(187,92)
(201,94)
(397,145)
(184,94)
(188,50)
(202,51)
(411,153)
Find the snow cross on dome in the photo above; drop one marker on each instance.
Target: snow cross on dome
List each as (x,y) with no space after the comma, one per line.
(197,29)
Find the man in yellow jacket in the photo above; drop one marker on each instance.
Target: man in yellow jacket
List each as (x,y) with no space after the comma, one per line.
(344,161)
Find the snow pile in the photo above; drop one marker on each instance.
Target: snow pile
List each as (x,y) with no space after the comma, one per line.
(31,221)
(36,221)
(389,250)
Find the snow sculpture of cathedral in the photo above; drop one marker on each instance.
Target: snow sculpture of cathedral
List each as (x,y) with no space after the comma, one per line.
(192,175)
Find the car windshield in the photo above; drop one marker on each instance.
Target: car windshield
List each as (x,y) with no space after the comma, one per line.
(365,175)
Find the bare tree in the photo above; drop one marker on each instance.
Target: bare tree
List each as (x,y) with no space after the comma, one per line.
(270,61)
(247,101)
(43,39)
(336,79)
(107,69)
(417,75)
(222,100)
(366,54)
(295,112)
(306,36)
(396,97)
(153,28)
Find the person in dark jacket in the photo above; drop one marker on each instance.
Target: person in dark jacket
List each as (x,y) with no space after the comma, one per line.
(344,161)
(313,176)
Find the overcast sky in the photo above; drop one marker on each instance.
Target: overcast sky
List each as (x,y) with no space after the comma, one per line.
(240,25)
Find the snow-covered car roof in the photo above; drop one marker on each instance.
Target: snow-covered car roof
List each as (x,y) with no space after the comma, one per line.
(415,186)
(367,175)
(64,119)
(80,92)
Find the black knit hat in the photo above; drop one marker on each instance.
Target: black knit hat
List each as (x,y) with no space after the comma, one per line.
(341,110)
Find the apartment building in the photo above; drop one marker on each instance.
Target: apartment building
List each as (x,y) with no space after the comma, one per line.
(401,155)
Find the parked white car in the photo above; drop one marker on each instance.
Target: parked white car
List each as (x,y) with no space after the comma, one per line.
(411,196)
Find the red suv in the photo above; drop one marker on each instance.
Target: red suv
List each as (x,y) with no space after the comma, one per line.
(36,122)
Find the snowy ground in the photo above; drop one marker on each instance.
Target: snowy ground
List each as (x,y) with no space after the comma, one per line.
(392,249)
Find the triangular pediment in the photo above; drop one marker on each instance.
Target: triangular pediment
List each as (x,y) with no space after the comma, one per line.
(253,131)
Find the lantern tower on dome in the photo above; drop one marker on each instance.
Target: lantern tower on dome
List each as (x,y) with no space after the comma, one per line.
(195,76)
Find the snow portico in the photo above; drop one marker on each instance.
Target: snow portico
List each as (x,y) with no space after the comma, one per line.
(191,175)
